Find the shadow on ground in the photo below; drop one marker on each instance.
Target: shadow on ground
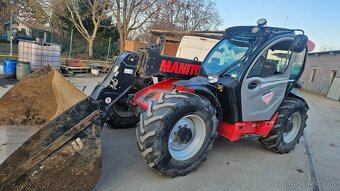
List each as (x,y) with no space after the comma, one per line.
(242,165)
(4,83)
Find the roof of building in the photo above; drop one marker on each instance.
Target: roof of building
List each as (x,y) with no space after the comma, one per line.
(210,34)
(32,25)
(330,52)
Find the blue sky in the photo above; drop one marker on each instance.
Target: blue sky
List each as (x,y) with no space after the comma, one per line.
(319,19)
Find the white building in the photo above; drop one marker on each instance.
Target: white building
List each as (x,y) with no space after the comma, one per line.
(28,30)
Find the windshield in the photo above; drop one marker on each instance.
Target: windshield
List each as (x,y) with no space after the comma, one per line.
(224,54)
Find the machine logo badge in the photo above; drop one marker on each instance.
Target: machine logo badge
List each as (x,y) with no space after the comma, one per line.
(128,71)
(108,100)
(179,68)
(267,97)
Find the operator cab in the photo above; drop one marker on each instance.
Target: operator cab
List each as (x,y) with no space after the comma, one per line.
(252,69)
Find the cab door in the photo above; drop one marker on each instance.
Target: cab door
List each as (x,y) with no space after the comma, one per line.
(264,85)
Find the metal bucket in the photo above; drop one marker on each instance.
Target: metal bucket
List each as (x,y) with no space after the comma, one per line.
(65,154)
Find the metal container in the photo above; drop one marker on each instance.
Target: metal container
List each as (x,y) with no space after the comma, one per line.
(10,69)
(1,69)
(23,70)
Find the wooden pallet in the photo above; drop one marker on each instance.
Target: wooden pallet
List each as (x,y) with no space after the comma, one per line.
(104,70)
(74,70)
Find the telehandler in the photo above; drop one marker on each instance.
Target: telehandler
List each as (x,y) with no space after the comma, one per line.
(243,88)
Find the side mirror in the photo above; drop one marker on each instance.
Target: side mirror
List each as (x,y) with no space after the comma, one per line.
(299,43)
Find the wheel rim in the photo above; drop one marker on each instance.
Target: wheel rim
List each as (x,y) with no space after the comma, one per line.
(122,110)
(186,137)
(295,121)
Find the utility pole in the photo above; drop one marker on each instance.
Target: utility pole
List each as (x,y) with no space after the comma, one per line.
(70,51)
(108,50)
(285,22)
(11,36)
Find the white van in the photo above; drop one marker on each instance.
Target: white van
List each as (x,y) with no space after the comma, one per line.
(191,47)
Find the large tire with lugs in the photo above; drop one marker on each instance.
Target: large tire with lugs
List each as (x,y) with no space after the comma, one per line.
(288,127)
(176,133)
(122,117)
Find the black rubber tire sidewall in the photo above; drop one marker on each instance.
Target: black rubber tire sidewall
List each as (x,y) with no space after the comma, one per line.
(118,122)
(277,144)
(160,157)
(173,163)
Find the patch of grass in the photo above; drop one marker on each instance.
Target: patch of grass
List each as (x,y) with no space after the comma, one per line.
(5,48)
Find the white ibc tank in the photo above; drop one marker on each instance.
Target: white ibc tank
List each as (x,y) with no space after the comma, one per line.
(38,54)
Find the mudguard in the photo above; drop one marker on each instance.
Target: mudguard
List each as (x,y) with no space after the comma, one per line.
(142,98)
(200,86)
(296,95)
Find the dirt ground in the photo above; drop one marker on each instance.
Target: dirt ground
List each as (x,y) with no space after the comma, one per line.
(242,165)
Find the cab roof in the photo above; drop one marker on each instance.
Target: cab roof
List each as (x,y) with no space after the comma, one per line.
(262,30)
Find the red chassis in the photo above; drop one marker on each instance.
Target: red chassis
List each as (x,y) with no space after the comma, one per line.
(233,132)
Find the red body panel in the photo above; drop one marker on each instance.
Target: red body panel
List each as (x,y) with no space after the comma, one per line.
(310,46)
(152,92)
(234,132)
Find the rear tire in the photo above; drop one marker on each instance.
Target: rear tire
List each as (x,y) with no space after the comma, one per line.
(122,118)
(288,127)
(176,134)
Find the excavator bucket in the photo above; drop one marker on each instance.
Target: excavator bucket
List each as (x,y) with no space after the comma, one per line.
(65,153)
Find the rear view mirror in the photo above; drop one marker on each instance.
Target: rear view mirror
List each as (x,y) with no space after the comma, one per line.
(299,43)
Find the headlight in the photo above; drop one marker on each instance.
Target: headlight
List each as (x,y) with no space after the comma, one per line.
(212,78)
(255,30)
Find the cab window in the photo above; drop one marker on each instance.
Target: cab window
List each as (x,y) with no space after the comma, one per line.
(274,61)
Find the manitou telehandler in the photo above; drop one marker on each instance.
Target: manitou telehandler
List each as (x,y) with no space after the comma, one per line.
(243,88)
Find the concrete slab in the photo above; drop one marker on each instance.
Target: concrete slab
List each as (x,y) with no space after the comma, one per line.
(324,137)
(11,137)
(242,165)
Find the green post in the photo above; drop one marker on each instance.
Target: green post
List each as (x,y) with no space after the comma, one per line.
(108,50)
(69,53)
(11,36)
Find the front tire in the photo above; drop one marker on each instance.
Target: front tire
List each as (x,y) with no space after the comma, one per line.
(288,127)
(176,133)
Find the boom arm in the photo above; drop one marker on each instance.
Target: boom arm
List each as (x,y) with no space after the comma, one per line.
(133,71)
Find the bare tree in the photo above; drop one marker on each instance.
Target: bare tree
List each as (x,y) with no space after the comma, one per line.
(130,15)
(28,11)
(185,15)
(190,15)
(5,11)
(79,12)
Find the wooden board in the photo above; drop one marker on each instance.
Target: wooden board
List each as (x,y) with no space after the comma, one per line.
(334,90)
(74,70)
